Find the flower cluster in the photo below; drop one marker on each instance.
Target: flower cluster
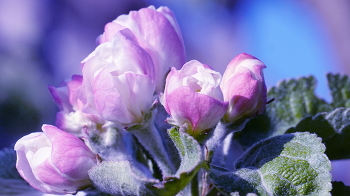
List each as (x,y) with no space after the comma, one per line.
(121,80)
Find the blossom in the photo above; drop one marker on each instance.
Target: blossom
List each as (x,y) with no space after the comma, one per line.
(158,33)
(118,80)
(192,96)
(54,161)
(70,118)
(243,86)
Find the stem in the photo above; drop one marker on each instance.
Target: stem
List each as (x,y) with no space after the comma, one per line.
(194,185)
(219,134)
(212,192)
(112,144)
(221,131)
(149,137)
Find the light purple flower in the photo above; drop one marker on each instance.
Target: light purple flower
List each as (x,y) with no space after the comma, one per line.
(118,80)
(54,161)
(192,96)
(244,87)
(158,33)
(70,118)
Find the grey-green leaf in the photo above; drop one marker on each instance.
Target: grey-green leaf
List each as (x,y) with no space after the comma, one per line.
(127,178)
(340,189)
(294,100)
(339,86)
(333,128)
(289,164)
(121,178)
(191,161)
(11,183)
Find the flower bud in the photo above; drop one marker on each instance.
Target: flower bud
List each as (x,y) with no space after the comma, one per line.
(70,118)
(54,161)
(243,86)
(192,96)
(158,33)
(118,80)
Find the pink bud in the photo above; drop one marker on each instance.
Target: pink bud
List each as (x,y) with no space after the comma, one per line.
(54,161)
(70,118)
(192,96)
(118,80)
(158,33)
(243,86)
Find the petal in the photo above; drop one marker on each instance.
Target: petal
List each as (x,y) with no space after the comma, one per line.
(69,155)
(128,55)
(245,60)
(108,101)
(244,96)
(202,111)
(111,29)
(136,91)
(73,85)
(158,37)
(25,149)
(60,97)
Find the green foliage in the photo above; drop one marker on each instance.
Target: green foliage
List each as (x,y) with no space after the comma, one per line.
(295,99)
(11,183)
(127,178)
(333,128)
(339,86)
(289,164)
(8,164)
(340,189)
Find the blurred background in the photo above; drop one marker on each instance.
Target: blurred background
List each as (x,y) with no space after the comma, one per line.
(42,43)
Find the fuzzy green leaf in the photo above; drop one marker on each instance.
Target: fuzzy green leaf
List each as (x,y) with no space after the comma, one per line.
(289,164)
(339,86)
(339,189)
(127,178)
(121,178)
(294,100)
(191,161)
(11,183)
(333,128)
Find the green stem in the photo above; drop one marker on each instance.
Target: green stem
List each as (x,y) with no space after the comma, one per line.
(195,185)
(149,137)
(212,192)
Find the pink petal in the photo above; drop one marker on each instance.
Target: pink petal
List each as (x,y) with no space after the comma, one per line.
(69,154)
(159,38)
(202,111)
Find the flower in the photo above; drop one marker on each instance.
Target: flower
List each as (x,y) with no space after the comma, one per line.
(54,161)
(118,80)
(192,96)
(243,86)
(158,33)
(70,118)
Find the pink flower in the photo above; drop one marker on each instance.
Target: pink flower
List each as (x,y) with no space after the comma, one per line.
(70,118)
(118,80)
(192,96)
(54,161)
(244,87)
(158,33)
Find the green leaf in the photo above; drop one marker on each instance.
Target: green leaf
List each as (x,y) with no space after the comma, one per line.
(8,164)
(191,161)
(340,189)
(339,86)
(333,128)
(127,178)
(11,183)
(289,164)
(294,100)
(121,178)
